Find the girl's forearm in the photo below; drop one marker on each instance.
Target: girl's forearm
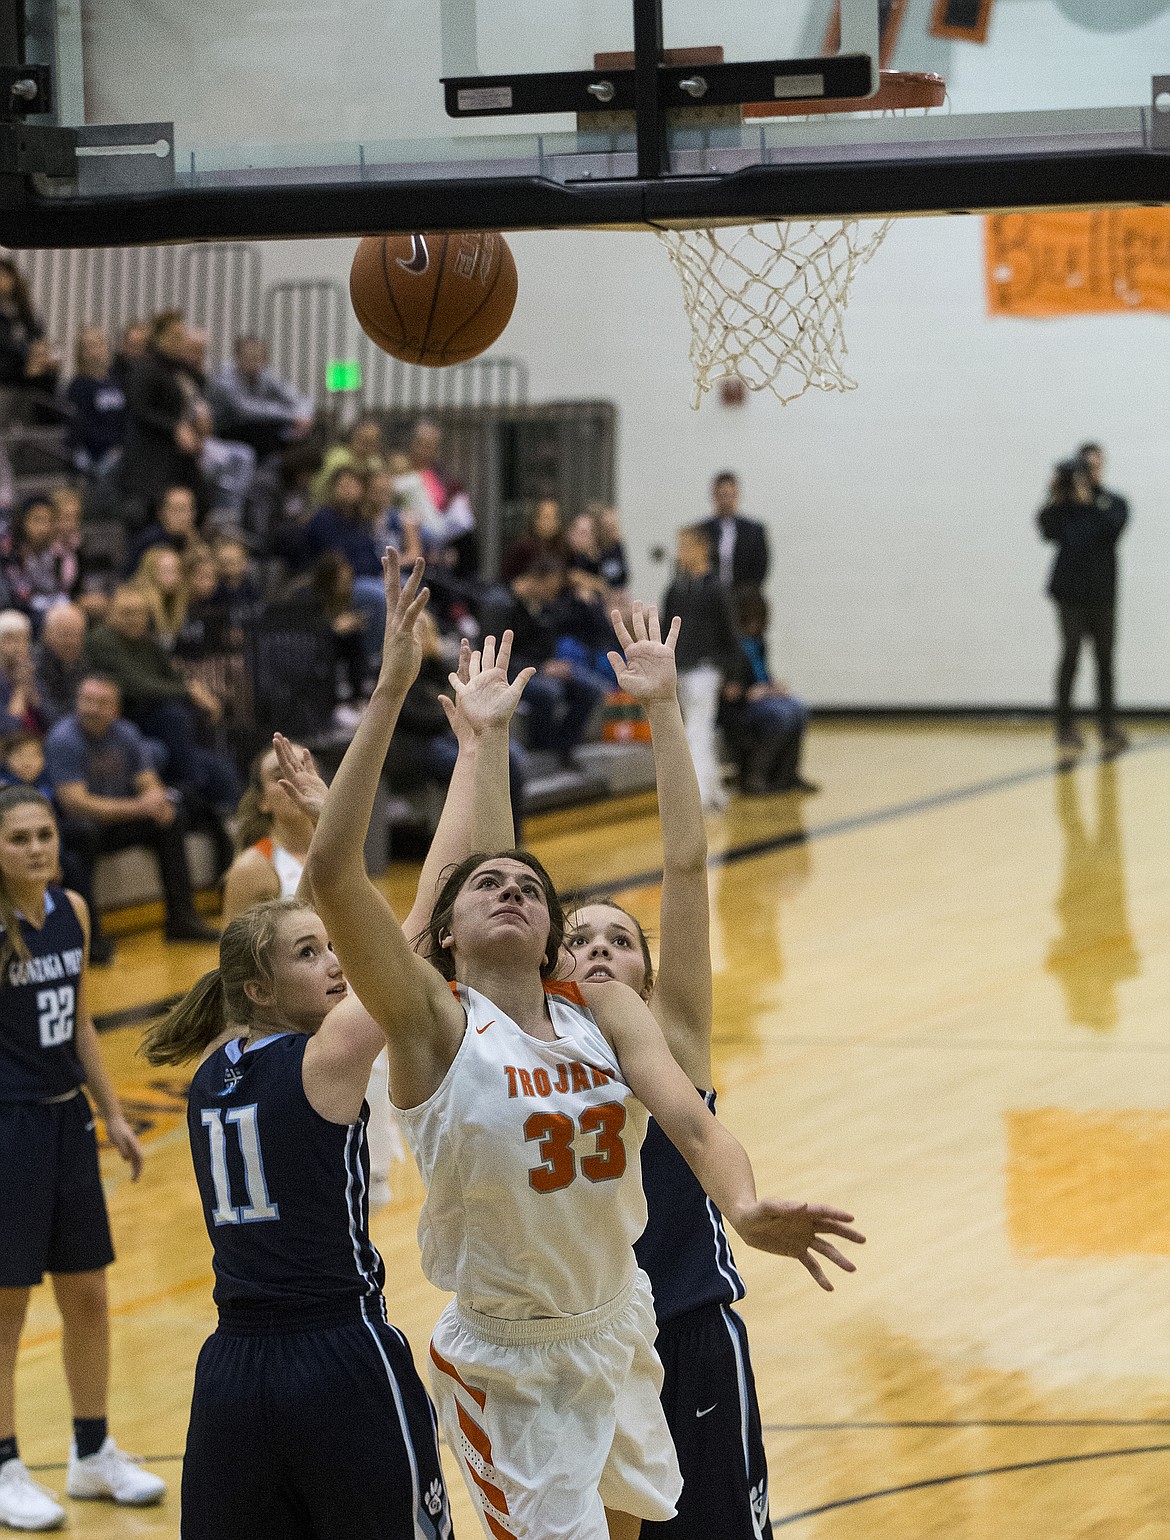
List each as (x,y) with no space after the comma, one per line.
(680,804)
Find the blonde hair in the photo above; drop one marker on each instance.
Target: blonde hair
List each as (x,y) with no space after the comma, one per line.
(168,612)
(220,999)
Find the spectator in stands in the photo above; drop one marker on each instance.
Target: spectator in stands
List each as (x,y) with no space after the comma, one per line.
(341,526)
(544,537)
(39,571)
(175,524)
(22,763)
(162,446)
(159,701)
(206,628)
(424,747)
(585,635)
(111,799)
(706,654)
(611,549)
(67,510)
(391,519)
(325,595)
(26,360)
(20,700)
(360,452)
(238,590)
(253,406)
(59,662)
(160,578)
(130,351)
(583,547)
(739,546)
(561,699)
(98,426)
(762,721)
(228,467)
(448,523)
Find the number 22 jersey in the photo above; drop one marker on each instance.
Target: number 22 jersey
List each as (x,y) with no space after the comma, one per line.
(530,1155)
(38,1007)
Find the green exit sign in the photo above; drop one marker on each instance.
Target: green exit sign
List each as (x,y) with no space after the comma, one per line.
(343,374)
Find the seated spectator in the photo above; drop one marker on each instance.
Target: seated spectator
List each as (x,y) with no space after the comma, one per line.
(228,469)
(611,549)
(98,426)
(238,589)
(584,632)
(160,578)
(583,548)
(176,524)
(159,701)
(22,763)
(706,654)
(762,720)
(562,697)
(39,570)
(206,628)
(26,360)
(545,537)
(447,519)
(59,662)
(130,350)
(67,530)
(361,452)
(326,595)
(162,446)
(111,799)
(424,747)
(253,406)
(390,519)
(341,526)
(20,700)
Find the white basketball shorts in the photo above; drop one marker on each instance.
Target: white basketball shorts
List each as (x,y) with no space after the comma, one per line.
(554,1420)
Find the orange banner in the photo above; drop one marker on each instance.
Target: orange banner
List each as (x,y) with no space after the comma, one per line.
(1083,263)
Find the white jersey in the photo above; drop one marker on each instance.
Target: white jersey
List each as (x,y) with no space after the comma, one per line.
(530,1155)
(288,867)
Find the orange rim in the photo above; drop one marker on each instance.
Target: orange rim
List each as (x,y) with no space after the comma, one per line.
(899,91)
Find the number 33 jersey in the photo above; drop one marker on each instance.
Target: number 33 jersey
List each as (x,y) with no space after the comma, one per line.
(530,1155)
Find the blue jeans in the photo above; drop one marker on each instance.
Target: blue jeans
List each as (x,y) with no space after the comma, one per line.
(558,710)
(772,732)
(369,599)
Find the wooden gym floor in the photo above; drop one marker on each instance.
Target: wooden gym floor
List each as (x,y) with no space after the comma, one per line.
(942,1001)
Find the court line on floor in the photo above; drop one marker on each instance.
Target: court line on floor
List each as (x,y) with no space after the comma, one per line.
(135,1015)
(971,1422)
(966,1475)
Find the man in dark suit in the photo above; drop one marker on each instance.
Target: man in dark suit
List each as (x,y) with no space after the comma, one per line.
(739,546)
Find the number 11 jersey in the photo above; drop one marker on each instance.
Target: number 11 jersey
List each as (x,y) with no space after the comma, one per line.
(530,1155)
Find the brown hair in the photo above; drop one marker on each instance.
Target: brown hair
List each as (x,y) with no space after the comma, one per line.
(252,822)
(14,944)
(219,999)
(429,941)
(607,901)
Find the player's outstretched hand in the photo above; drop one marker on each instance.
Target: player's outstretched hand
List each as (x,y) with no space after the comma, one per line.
(483,696)
(646,671)
(299,778)
(402,641)
(797,1230)
(125,1141)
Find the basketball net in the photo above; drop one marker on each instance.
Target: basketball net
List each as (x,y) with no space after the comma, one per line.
(767,302)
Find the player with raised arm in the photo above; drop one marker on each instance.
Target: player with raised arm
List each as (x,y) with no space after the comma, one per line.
(709,1392)
(308,1420)
(525,1103)
(52,1210)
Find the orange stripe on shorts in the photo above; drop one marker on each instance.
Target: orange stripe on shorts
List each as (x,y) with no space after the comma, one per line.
(498,1529)
(474,1435)
(488,1488)
(477,1396)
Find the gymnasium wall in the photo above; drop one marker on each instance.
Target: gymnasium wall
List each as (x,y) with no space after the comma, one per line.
(907,570)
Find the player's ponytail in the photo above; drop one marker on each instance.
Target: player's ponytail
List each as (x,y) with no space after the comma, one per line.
(190,1027)
(220,999)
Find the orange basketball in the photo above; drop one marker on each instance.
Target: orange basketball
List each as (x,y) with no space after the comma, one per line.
(433,299)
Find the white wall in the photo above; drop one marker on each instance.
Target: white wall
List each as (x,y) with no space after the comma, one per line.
(906,567)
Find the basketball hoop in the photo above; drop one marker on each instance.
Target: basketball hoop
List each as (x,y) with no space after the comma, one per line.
(767,302)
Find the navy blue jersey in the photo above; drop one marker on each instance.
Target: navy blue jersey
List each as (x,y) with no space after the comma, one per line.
(285,1192)
(38,1007)
(684,1248)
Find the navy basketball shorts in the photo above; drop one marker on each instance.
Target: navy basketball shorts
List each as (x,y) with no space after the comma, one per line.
(312,1427)
(709,1396)
(52,1209)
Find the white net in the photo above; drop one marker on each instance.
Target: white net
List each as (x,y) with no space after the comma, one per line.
(767,302)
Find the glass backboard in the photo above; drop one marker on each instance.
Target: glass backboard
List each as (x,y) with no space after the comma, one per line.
(232,118)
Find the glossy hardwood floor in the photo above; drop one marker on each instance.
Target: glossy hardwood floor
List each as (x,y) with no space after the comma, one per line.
(946,1006)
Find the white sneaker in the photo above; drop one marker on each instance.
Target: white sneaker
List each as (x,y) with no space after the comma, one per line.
(112,1473)
(25,1503)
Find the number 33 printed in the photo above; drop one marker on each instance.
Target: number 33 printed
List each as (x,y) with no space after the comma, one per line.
(555,1132)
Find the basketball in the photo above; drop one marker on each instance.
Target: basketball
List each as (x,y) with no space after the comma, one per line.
(433,299)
